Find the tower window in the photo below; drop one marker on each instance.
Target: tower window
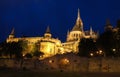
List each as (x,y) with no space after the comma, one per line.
(73,35)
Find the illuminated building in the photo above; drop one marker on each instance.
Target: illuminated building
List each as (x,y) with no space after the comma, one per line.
(46,44)
(76,34)
(52,46)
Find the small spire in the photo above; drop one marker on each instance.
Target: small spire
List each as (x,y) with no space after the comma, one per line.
(68,32)
(91,31)
(78,17)
(48,30)
(12,32)
(79,24)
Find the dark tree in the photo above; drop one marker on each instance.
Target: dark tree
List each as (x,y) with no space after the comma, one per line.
(38,53)
(87,46)
(28,55)
(117,38)
(106,42)
(11,49)
(118,23)
(109,41)
(2,48)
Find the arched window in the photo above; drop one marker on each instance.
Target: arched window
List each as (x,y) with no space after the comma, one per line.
(76,35)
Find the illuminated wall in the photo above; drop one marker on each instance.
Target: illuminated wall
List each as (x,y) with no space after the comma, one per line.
(47,48)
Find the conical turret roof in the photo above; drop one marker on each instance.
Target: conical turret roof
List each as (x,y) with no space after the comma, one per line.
(12,32)
(48,30)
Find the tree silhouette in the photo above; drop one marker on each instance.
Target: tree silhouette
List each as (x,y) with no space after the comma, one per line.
(11,49)
(87,46)
(3,48)
(106,42)
(117,38)
(38,53)
(109,40)
(28,55)
(118,23)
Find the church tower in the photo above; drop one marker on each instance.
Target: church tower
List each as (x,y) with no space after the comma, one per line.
(77,31)
(47,33)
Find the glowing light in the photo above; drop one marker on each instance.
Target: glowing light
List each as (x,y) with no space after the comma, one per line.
(91,54)
(66,60)
(100,52)
(97,52)
(50,61)
(23,55)
(114,50)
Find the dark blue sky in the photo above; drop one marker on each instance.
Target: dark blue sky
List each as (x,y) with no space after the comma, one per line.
(31,17)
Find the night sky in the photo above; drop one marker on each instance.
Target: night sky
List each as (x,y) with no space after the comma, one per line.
(31,17)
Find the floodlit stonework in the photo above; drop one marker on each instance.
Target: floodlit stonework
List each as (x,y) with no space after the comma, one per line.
(51,46)
(46,44)
(76,34)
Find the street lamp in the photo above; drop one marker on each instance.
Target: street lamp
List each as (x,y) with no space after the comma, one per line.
(91,54)
(100,52)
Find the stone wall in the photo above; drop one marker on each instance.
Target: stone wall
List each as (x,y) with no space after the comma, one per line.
(74,64)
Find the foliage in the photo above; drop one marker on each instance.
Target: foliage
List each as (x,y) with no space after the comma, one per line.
(106,42)
(86,46)
(28,55)
(118,23)
(11,49)
(109,41)
(37,53)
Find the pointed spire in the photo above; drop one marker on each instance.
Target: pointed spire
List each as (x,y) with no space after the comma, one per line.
(68,32)
(79,24)
(91,31)
(48,30)
(78,17)
(12,32)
